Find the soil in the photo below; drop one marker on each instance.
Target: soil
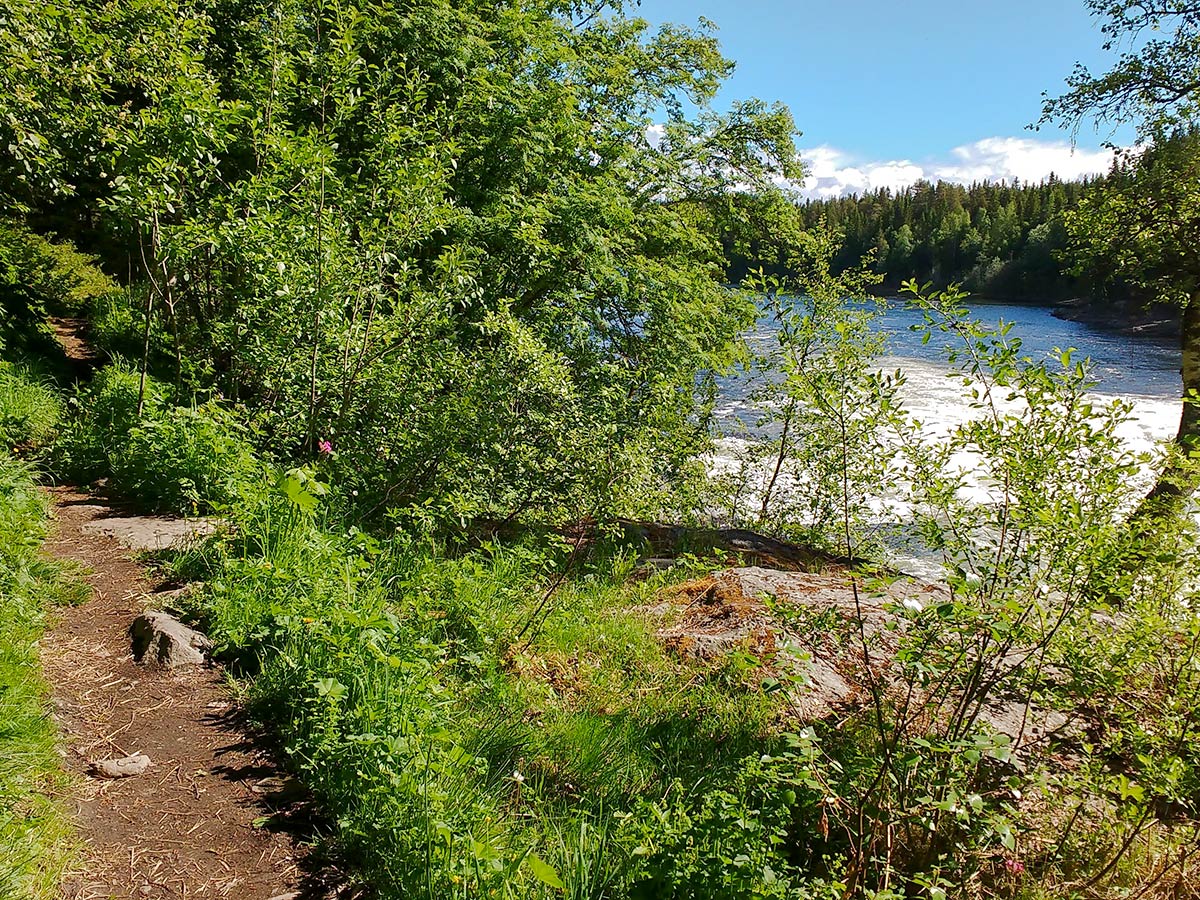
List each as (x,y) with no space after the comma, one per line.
(208,818)
(70,333)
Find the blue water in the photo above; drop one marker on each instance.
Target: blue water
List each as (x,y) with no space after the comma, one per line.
(1128,365)
(1141,368)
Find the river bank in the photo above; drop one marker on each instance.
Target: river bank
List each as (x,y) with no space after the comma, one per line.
(1156,320)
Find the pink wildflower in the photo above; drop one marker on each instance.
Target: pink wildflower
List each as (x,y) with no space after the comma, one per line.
(325,447)
(1014,866)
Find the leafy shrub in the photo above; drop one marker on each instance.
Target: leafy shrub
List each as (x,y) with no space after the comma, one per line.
(101,416)
(113,324)
(51,276)
(735,842)
(116,324)
(39,278)
(1034,547)
(361,697)
(184,458)
(392,675)
(172,458)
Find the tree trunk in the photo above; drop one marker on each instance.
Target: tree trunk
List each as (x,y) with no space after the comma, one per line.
(1177,482)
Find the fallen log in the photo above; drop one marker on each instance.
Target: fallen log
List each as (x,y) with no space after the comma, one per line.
(675,540)
(663,540)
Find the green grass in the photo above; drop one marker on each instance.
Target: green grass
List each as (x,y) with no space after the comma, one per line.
(34,830)
(30,410)
(460,751)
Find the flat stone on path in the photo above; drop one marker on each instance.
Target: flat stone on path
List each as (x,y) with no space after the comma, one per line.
(146,534)
(125,767)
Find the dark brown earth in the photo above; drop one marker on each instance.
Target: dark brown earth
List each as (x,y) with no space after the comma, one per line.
(70,333)
(193,825)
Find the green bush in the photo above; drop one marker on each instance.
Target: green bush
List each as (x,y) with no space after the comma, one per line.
(40,278)
(100,418)
(357,690)
(51,276)
(114,326)
(396,679)
(735,842)
(184,459)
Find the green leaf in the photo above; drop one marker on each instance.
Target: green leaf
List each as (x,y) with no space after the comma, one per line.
(544,872)
(330,687)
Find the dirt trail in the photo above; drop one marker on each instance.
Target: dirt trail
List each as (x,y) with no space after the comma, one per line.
(187,827)
(71,334)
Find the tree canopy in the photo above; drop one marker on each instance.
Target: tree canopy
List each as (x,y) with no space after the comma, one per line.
(442,238)
(1155,82)
(995,238)
(1144,224)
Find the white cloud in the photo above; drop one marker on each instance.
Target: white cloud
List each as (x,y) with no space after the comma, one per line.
(833,173)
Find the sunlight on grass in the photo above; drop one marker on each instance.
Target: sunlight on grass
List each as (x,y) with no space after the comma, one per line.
(34,830)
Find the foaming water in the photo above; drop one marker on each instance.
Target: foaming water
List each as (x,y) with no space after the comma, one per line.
(1140,370)
(936,399)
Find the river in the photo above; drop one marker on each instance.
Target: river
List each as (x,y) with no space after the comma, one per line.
(1141,369)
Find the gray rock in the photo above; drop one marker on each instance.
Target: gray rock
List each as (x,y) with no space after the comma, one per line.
(162,640)
(652,566)
(803,622)
(1025,723)
(149,533)
(834,646)
(125,767)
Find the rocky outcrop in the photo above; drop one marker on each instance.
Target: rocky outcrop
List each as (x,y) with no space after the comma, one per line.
(806,628)
(160,639)
(1155,320)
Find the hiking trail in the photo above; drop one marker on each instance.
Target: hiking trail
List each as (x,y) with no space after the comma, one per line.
(197,823)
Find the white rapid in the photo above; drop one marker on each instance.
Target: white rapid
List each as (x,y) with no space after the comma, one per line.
(1140,370)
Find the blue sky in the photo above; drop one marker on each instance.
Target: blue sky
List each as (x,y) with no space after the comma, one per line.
(886,92)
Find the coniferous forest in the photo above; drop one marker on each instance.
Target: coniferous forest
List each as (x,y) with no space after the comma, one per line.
(993,239)
(1007,241)
(369,526)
